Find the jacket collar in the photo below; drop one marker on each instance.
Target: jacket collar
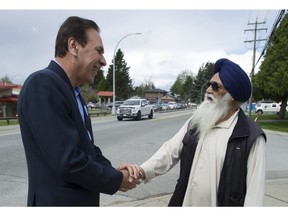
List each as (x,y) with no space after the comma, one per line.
(241,128)
(56,68)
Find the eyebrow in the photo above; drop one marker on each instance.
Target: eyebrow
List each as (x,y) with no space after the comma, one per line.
(100,48)
(219,84)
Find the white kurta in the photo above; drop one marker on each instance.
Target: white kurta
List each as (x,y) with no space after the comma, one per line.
(207,165)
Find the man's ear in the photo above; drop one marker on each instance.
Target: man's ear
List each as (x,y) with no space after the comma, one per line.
(73,46)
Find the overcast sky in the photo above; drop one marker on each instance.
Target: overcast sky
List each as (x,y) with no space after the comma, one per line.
(171,40)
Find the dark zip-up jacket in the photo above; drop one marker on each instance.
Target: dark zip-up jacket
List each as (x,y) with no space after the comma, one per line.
(232,185)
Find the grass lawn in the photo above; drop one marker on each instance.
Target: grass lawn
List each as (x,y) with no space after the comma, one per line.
(272,122)
(275,126)
(11,122)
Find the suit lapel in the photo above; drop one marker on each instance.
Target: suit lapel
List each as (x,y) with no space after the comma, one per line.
(86,118)
(54,67)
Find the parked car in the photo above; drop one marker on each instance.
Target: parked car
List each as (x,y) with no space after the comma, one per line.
(156,106)
(172,105)
(181,105)
(267,107)
(91,105)
(192,105)
(117,104)
(135,108)
(164,106)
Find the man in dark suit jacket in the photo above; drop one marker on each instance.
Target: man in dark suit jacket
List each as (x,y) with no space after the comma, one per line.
(65,168)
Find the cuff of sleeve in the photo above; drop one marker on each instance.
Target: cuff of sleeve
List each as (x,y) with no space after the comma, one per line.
(149,173)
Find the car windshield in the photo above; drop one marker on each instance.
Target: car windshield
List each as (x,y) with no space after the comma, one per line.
(132,102)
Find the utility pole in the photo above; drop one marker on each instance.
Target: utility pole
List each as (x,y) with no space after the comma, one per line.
(254,53)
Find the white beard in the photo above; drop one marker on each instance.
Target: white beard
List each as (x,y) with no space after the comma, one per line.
(209,113)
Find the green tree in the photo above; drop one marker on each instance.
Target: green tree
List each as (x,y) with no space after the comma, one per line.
(183,84)
(272,79)
(140,90)
(123,82)
(102,86)
(98,78)
(88,93)
(187,88)
(204,74)
(177,86)
(5,79)
(148,84)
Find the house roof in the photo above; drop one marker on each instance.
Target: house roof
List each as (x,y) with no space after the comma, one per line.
(7,86)
(155,91)
(12,92)
(105,93)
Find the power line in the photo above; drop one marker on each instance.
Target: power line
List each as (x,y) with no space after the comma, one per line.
(281,14)
(276,24)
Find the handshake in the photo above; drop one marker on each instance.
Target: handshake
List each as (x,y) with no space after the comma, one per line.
(132,176)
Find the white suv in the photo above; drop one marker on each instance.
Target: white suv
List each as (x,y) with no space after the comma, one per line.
(135,108)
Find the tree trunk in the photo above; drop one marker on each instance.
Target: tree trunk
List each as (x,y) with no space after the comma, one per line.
(283,108)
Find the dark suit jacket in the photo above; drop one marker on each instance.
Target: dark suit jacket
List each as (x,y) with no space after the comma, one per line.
(65,168)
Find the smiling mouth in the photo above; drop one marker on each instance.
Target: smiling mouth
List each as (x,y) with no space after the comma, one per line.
(96,69)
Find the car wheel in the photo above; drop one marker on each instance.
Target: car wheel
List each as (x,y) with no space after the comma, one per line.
(259,112)
(138,115)
(150,116)
(119,118)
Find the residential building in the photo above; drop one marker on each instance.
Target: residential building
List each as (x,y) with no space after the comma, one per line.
(8,99)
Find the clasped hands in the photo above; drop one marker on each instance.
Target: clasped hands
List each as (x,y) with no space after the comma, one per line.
(132,176)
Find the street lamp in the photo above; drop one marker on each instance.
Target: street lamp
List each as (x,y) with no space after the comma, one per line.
(202,90)
(113,102)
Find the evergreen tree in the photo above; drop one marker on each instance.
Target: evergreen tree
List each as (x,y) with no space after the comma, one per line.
(102,86)
(272,79)
(187,88)
(5,79)
(98,78)
(205,73)
(177,86)
(123,83)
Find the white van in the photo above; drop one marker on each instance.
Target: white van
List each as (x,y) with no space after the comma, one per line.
(267,108)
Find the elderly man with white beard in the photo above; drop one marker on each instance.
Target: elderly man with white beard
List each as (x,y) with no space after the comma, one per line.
(221,150)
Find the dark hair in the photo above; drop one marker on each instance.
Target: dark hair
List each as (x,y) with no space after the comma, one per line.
(73,27)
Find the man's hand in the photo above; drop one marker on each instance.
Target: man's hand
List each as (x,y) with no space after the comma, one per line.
(131,176)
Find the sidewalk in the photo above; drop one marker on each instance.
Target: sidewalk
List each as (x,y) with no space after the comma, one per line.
(276,195)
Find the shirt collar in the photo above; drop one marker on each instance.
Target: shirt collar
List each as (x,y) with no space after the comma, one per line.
(227,123)
(77,90)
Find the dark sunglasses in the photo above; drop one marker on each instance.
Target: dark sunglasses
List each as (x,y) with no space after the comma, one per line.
(214,85)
